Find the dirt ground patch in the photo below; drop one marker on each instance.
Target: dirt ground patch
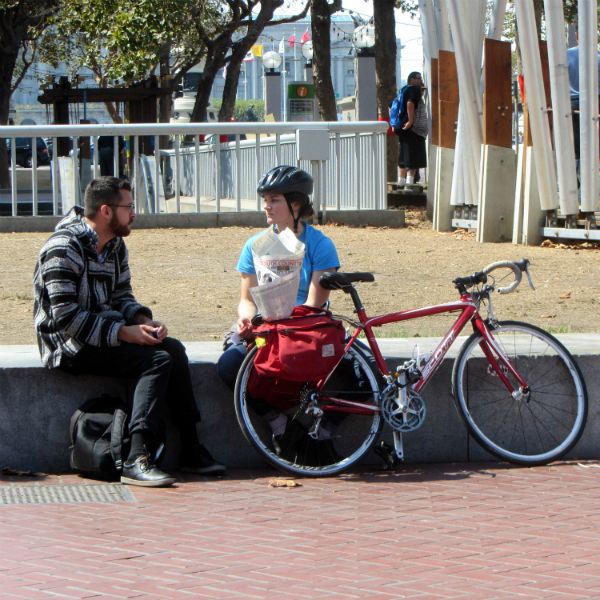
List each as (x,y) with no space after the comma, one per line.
(188,277)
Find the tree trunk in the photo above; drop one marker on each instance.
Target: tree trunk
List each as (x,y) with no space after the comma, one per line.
(321,37)
(217,50)
(231,83)
(165,103)
(385,69)
(214,61)
(111,109)
(19,22)
(211,67)
(7,64)
(239,51)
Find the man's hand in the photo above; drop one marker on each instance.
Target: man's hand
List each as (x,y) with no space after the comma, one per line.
(142,335)
(160,330)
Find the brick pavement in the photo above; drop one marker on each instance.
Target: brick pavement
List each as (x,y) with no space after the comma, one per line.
(434,531)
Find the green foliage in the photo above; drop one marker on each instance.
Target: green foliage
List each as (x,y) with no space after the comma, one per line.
(241,108)
(123,40)
(408,6)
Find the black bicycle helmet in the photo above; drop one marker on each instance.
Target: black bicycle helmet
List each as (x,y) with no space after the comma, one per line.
(285,179)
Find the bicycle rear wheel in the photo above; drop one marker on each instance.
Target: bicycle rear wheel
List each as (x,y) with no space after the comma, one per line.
(344,438)
(538,427)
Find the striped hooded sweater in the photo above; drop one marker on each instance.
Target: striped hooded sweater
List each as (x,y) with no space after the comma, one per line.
(81,298)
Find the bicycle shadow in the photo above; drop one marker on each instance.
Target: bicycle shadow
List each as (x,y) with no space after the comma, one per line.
(411,473)
(414,473)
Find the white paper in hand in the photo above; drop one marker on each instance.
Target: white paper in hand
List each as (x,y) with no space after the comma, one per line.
(277,262)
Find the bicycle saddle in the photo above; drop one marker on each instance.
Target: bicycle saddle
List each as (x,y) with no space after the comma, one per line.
(337,281)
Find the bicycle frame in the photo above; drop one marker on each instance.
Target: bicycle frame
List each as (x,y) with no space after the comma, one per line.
(469,312)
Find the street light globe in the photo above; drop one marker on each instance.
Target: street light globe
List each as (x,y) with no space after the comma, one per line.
(271,60)
(307,50)
(364,36)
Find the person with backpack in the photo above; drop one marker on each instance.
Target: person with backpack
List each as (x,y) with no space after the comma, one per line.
(408,118)
(87,320)
(285,191)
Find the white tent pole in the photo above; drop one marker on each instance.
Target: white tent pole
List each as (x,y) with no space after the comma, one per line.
(467,33)
(536,103)
(588,105)
(561,103)
(497,19)
(428,29)
(443,27)
(457,190)
(430,48)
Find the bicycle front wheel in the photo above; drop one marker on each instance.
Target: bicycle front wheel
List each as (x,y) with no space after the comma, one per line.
(345,432)
(536,427)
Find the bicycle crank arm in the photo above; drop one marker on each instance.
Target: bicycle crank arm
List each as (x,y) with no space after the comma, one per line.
(398,445)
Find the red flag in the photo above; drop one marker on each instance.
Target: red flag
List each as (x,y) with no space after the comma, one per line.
(305,37)
(292,40)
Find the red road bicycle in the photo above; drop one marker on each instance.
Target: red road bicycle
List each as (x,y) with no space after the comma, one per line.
(518,389)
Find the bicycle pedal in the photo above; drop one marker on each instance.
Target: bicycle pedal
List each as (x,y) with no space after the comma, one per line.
(387,455)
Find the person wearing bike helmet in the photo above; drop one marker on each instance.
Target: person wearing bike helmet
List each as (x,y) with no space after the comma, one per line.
(285,191)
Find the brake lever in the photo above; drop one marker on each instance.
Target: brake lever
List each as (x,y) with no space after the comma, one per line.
(529,280)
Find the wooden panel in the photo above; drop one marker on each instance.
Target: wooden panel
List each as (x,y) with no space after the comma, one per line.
(497,97)
(448,99)
(545,71)
(546,77)
(434,101)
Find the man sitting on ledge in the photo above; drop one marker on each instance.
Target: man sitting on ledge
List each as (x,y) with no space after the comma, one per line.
(88,321)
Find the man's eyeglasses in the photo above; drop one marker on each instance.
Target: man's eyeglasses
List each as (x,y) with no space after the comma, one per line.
(129,207)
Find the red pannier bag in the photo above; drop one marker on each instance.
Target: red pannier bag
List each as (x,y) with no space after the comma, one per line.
(275,392)
(303,347)
(300,349)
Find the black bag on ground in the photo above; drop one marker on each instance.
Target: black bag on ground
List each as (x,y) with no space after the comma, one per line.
(99,435)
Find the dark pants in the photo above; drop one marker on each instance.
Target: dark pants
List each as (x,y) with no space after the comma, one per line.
(413,152)
(163,382)
(106,161)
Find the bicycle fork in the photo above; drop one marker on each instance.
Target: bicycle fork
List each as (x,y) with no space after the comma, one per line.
(502,366)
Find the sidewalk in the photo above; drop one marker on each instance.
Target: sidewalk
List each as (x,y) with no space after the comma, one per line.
(432,531)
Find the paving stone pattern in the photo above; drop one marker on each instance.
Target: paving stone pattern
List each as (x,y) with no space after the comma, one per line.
(435,531)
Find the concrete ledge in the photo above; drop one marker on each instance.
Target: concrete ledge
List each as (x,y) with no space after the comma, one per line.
(378,218)
(36,405)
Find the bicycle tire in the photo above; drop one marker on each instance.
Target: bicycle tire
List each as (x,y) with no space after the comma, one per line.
(352,435)
(531,431)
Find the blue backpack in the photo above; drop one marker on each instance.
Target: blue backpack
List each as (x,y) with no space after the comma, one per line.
(398,114)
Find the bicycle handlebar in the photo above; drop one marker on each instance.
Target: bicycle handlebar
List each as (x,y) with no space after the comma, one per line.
(517,267)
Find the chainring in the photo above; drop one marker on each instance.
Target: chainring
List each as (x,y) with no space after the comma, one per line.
(404,419)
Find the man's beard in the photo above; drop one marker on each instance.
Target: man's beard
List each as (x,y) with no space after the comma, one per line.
(118,229)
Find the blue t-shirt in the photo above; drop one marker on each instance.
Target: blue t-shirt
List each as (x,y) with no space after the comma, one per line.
(319,255)
(573,65)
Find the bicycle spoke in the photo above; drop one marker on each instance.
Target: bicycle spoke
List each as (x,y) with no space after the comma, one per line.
(537,424)
(315,443)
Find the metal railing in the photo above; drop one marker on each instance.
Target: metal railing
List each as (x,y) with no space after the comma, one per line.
(203,168)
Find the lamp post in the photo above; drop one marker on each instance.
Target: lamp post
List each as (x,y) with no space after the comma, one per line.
(363,39)
(272,89)
(307,52)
